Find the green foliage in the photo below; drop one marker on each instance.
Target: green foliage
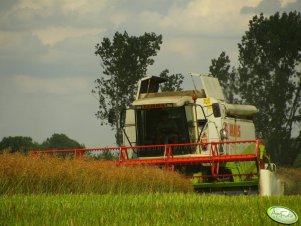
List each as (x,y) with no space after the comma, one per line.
(290,176)
(269,77)
(295,149)
(60,141)
(220,69)
(297,162)
(124,61)
(26,144)
(141,209)
(17,144)
(173,82)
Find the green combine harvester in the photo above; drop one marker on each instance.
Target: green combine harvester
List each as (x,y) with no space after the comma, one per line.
(198,134)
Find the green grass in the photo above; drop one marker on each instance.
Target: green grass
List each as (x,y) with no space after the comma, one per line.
(142,209)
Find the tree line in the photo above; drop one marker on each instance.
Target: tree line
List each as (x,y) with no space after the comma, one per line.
(268,76)
(26,144)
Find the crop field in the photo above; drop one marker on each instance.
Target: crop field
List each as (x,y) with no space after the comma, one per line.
(292,178)
(140,209)
(28,175)
(52,191)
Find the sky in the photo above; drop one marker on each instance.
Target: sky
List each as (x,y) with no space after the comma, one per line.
(48,66)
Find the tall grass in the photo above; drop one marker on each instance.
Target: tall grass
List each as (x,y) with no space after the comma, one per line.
(30,175)
(292,178)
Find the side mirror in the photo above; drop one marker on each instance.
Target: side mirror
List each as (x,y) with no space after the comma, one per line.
(216,110)
(224,134)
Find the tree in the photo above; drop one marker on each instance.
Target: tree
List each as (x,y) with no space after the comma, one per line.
(220,69)
(296,148)
(17,144)
(124,61)
(173,82)
(270,77)
(60,141)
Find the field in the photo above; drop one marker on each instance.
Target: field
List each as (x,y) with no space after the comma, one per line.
(141,209)
(68,192)
(28,175)
(292,178)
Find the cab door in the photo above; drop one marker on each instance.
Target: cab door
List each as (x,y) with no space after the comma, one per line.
(129,129)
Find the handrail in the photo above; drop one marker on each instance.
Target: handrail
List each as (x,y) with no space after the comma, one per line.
(143,146)
(168,153)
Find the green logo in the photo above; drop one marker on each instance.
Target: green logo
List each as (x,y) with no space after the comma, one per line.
(282,215)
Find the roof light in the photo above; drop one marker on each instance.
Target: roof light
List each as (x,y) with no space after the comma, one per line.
(149,106)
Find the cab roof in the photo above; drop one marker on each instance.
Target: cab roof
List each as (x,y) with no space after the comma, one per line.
(162,101)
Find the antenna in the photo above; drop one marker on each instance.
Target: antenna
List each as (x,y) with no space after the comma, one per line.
(193,74)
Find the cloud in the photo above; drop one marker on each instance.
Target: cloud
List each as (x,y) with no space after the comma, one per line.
(7,37)
(83,6)
(41,14)
(285,3)
(7,4)
(272,6)
(22,53)
(53,35)
(206,17)
(181,46)
(60,86)
(79,6)
(266,6)
(196,31)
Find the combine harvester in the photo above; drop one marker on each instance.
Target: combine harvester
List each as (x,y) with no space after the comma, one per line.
(195,132)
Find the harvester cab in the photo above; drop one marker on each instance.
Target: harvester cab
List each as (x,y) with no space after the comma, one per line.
(191,116)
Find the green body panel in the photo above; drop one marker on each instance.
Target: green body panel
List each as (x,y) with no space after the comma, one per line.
(252,183)
(237,168)
(243,167)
